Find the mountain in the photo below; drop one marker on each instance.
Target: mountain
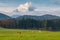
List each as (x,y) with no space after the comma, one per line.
(43,17)
(15,16)
(49,17)
(4,17)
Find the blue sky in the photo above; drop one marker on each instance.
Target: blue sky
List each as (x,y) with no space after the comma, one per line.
(7,5)
(43,2)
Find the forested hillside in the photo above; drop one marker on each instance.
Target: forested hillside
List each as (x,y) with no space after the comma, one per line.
(31,24)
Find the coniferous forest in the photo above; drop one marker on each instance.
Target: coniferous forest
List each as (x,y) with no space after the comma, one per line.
(51,25)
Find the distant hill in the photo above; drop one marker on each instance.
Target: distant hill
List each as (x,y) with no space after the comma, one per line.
(49,17)
(4,17)
(31,22)
(43,17)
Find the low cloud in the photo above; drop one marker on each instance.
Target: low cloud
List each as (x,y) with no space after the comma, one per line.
(31,9)
(27,7)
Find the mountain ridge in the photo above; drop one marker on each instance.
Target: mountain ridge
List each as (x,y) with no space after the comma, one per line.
(43,17)
(4,17)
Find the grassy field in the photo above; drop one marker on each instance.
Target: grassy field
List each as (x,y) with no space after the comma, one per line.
(15,34)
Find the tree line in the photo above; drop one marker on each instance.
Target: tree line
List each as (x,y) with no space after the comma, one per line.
(52,25)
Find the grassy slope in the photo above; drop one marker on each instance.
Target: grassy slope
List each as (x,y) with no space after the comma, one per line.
(10,34)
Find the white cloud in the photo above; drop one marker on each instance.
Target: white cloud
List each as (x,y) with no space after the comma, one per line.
(24,7)
(37,10)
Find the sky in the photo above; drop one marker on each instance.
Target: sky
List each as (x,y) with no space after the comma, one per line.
(41,6)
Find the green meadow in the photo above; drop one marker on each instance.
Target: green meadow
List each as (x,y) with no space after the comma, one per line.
(17,34)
